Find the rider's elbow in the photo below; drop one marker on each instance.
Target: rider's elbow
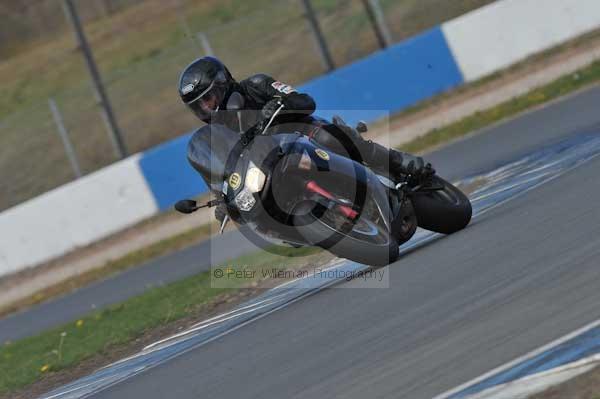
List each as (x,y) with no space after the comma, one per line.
(301,103)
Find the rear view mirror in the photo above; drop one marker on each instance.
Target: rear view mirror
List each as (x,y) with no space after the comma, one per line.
(186,206)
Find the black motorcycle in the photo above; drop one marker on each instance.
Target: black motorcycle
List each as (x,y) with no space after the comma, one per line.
(288,188)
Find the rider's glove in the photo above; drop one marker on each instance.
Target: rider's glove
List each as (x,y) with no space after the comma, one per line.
(220,212)
(271,106)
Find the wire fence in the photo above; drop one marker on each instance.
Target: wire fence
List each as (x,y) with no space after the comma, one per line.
(140,47)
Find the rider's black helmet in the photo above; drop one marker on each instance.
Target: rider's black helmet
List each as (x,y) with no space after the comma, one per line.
(203,86)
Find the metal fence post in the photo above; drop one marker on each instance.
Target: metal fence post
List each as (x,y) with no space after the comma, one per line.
(117,139)
(318,34)
(64,136)
(377,19)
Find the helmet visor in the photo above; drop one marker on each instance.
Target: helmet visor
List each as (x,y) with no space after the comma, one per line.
(208,101)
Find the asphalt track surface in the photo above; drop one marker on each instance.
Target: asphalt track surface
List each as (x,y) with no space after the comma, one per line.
(522,275)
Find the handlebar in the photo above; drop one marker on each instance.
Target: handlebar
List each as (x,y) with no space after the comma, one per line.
(277,111)
(260,126)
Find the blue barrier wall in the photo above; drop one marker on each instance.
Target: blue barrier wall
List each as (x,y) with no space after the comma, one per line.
(169,175)
(385,82)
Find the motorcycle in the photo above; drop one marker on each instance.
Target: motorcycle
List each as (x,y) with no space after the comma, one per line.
(288,188)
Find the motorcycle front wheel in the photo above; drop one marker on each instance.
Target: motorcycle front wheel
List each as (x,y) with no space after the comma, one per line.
(365,241)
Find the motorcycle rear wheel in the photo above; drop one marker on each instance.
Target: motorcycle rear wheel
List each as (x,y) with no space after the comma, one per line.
(445,211)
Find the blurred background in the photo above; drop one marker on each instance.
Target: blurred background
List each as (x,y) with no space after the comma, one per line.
(140,47)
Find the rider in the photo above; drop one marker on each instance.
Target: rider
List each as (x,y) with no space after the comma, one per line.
(206,85)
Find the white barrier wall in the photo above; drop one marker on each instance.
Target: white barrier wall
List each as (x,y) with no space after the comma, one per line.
(502,33)
(74,215)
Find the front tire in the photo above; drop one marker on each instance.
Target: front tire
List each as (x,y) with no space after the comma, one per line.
(369,243)
(445,211)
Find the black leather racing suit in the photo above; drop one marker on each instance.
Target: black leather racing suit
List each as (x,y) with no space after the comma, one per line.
(257,91)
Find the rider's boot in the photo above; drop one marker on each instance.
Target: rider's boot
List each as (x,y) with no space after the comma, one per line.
(390,161)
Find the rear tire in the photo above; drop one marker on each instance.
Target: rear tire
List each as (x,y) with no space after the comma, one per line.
(405,223)
(319,233)
(446,211)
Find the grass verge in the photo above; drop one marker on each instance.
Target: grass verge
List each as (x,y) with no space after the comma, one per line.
(567,84)
(27,360)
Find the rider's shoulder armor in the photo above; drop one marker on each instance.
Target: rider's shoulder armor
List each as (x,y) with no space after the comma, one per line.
(257,88)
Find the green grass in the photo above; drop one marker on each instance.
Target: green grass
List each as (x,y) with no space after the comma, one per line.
(24,361)
(560,87)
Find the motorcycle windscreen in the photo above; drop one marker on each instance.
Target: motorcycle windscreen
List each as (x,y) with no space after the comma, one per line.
(208,152)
